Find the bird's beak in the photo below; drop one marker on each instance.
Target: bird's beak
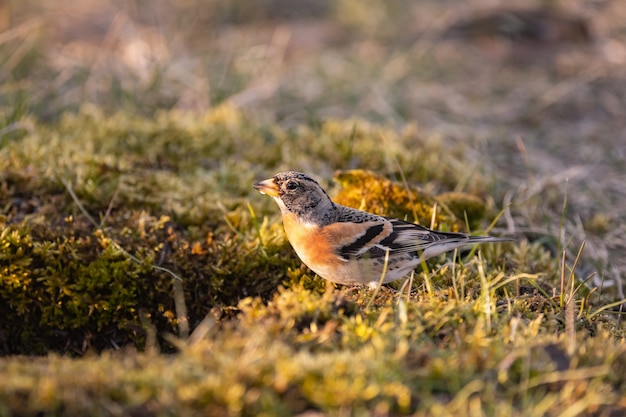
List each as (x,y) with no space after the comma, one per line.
(268,187)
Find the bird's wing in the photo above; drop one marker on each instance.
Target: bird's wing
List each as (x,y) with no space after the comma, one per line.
(353,239)
(414,239)
(376,237)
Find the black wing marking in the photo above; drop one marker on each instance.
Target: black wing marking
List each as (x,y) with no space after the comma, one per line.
(356,248)
(410,238)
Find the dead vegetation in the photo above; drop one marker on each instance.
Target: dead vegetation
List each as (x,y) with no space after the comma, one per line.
(130,135)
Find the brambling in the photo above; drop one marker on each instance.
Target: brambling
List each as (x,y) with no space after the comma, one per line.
(350,246)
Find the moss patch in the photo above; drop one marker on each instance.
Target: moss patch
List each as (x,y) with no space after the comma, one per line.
(302,351)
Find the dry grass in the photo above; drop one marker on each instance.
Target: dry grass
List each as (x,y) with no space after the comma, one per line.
(158,117)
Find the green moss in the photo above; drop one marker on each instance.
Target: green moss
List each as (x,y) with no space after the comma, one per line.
(403,358)
(71,287)
(98,225)
(97,207)
(100,210)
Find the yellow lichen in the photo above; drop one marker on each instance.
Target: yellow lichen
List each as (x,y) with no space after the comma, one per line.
(369,191)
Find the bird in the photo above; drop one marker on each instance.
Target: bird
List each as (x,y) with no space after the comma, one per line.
(349,246)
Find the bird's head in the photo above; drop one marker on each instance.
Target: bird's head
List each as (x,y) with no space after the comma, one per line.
(297,193)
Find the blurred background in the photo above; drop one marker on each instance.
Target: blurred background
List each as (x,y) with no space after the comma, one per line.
(538,89)
(443,63)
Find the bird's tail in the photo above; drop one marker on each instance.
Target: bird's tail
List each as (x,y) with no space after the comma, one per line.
(488,239)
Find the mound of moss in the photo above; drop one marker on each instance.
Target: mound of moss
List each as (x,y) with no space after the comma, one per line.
(114,226)
(101,216)
(302,352)
(72,287)
(371,192)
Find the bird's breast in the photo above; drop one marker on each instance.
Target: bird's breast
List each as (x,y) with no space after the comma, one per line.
(313,244)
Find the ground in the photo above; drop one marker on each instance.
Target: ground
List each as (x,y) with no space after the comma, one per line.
(141,274)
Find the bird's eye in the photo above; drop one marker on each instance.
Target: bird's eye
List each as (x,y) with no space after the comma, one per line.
(291,185)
